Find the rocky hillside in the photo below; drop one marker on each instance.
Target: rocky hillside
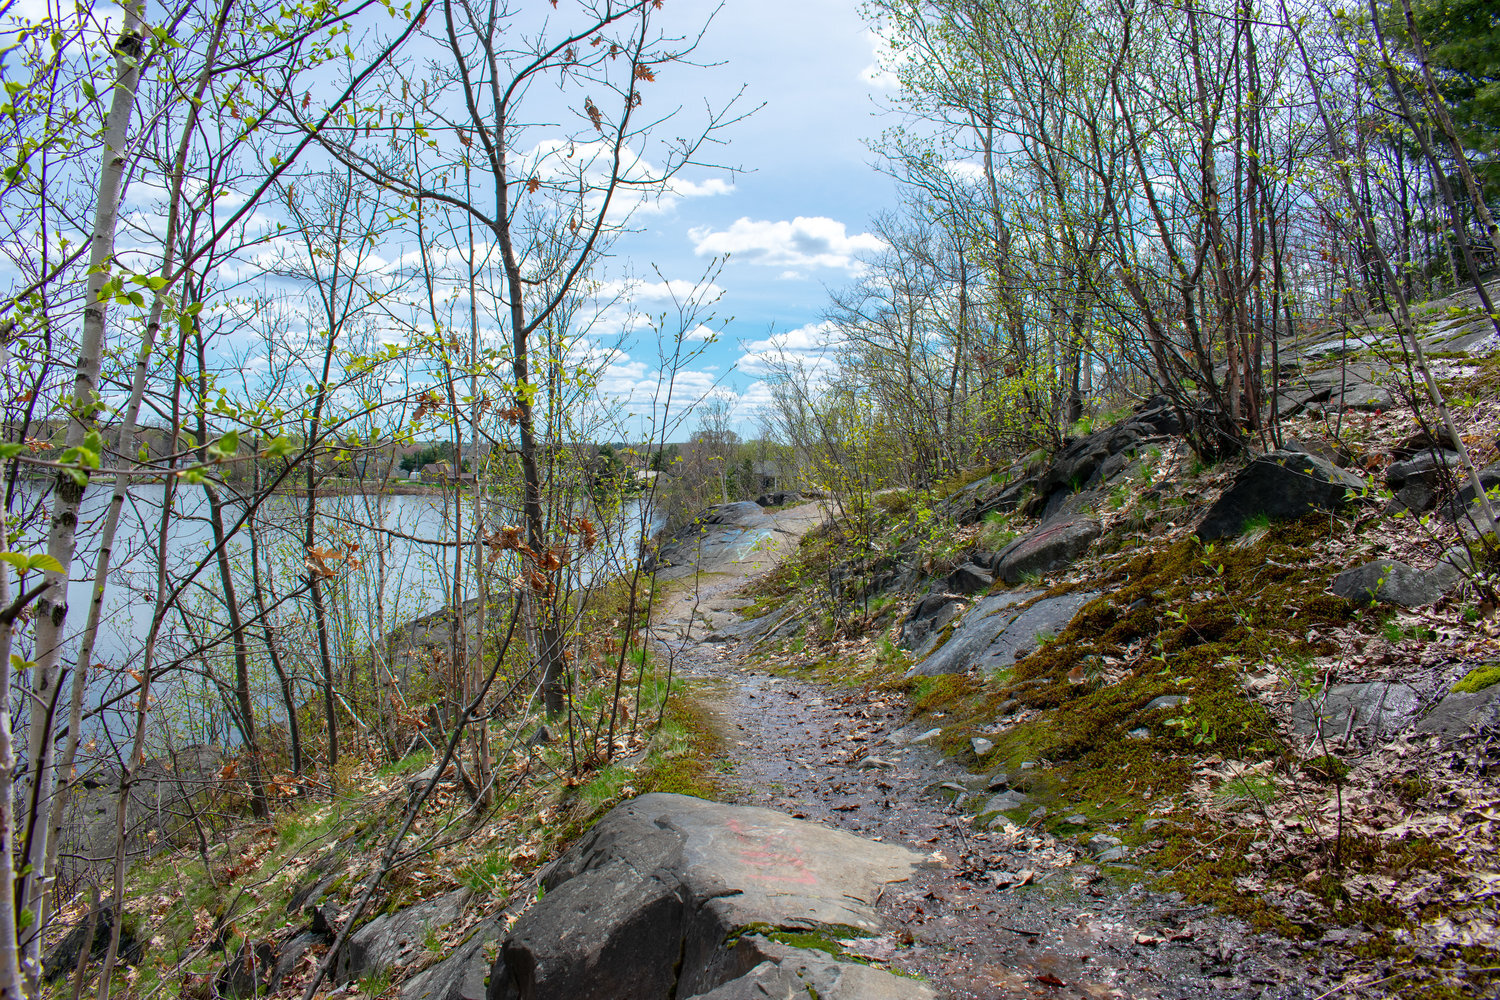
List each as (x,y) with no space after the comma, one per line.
(1269,686)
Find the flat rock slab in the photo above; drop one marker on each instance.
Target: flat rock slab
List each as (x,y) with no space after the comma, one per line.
(1462,711)
(720,535)
(394,939)
(1051,546)
(650,903)
(996,632)
(459,976)
(1378,707)
(801,974)
(1388,581)
(1280,485)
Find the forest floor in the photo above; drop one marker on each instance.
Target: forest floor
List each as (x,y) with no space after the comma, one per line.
(1005,912)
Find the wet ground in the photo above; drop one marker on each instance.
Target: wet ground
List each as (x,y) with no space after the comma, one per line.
(1006,912)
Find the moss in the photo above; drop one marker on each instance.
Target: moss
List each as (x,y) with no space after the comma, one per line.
(1479,678)
(1326,768)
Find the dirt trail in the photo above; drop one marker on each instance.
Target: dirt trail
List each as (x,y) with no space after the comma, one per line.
(1003,913)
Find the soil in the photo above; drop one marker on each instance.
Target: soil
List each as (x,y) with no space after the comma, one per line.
(1002,912)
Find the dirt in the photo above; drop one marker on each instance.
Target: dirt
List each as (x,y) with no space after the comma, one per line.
(1002,912)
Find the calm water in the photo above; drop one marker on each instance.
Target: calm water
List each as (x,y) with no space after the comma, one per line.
(403,572)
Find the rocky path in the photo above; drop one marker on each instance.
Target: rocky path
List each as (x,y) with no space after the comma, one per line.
(1006,912)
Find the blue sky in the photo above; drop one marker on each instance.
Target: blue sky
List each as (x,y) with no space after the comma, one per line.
(796,217)
(792,217)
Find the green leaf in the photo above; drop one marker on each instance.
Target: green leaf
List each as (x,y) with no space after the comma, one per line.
(16,559)
(45,563)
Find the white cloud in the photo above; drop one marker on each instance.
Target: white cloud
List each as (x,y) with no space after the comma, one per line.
(671,290)
(802,242)
(880,73)
(810,346)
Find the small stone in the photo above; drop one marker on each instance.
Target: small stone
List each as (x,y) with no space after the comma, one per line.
(1153,823)
(931,734)
(1027,765)
(1037,813)
(1139,733)
(1009,707)
(981,746)
(874,763)
(1077,819)
(1113,854)
(1166,701)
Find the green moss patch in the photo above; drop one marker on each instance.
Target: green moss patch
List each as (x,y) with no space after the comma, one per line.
(1478,679)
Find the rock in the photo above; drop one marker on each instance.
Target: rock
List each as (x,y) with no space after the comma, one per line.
(1004,801)
(1419,481)
(719,535)
(1320,448)
(395,939)
(1465,504)
(1106,848)
(777,499)
(968,579)
(1076,819)
(1052,546)
(650,902)
(1280,485)
(927,618)
(1139,733)
(1460,712)
(1040,812)
(62,960)
(1438,439)
(925,737)
(802,973)
(291,953)
(875,764)
(1380,707)
(462,974)
(1166,701)
(248,972)
(981,746)
(996,631)
(1390,582)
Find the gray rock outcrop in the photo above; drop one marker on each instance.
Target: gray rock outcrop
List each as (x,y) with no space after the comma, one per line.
(1462,711)
(671,896)
(1419,481)
(1051,546)
(1388,581)
(396,939)
(1379,708)
(720,535)
(1280,485)
(997,631)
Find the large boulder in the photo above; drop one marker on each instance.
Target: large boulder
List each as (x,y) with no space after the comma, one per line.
(1051,546)
(998,631)
(1280,485)
(720,535)
(1388,581)
(670,896)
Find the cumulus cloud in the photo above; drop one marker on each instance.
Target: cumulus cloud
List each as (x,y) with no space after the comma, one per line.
(802,242)
(810,346)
